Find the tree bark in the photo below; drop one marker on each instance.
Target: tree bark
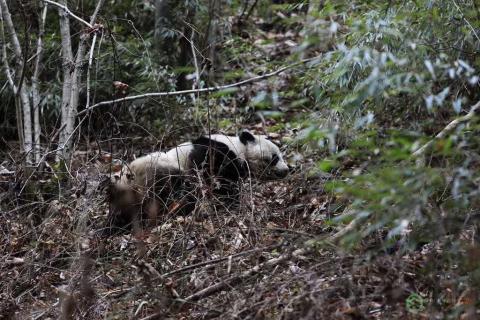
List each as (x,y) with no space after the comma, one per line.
(8,74)
(162,15)
(20,90)
(35,90)
(211,39)
(27,123)
(67,64)
(72,80)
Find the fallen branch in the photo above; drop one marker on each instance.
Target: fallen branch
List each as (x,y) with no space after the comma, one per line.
(208,291)
(214,261)
(344,231)
(158,315)
(161,315)
(5,172)
(194,91)
(15,261)
(449,128)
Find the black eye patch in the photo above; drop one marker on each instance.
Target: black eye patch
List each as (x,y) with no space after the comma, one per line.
(274,160)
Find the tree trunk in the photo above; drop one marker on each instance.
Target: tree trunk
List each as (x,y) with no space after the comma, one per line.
(162,17)
(27,123)
(21,89)
(72,73)
(212,33)
(35,90)
(67,64)
(8,74)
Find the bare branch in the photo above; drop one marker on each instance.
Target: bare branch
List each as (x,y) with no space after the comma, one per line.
(449,128)
(70,13)
(202,90)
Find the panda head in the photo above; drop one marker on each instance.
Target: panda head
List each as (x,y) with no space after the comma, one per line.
(264,158)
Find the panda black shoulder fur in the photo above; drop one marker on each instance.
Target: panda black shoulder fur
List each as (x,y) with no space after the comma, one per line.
(150,185)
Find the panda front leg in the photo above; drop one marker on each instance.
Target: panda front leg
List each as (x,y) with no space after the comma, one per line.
(166,196)
(181,197)
(124,209)
(230,192)
(154,206)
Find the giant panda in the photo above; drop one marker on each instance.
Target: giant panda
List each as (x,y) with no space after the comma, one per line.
(166,182)
(140,190)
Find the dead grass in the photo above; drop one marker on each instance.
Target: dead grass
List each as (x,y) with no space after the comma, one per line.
(264,260)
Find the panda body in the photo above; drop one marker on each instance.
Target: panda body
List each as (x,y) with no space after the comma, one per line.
(231,157)
(142,189)
(150,185)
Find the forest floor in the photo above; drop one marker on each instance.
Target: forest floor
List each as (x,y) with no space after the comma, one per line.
(274,257)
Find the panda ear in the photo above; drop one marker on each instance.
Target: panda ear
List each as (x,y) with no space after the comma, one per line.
(246,137)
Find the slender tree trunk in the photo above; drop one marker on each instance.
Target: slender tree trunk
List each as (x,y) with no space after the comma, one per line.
(37,129)
(76,83)
(8,74)
(162,16)
(67,64)
(185,59)
(18,114)
(72,73)
(35,90)
(27,123)
(21,90)
(214,8)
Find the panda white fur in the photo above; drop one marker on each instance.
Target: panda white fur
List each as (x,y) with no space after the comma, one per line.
(150,185)
(142,189)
